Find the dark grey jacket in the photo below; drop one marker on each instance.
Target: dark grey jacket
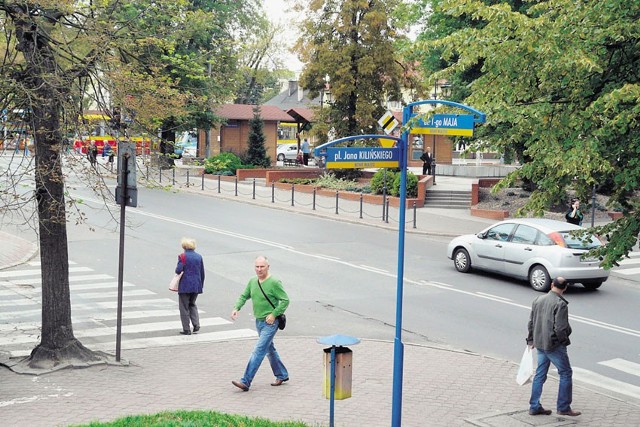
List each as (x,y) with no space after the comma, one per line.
(549,322)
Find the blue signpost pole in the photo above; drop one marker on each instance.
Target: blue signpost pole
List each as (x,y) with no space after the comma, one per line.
(398,347)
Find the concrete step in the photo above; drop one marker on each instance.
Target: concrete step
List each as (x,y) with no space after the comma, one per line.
(448,199)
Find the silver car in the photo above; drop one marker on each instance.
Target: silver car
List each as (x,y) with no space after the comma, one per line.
(533,249)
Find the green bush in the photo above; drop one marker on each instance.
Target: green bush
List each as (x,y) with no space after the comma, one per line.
(412,185)
(331,182)
(378,181)
(223,164)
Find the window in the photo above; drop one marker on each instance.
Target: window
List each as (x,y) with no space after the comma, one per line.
(500,232)
(525,234)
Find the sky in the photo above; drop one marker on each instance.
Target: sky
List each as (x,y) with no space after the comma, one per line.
(279,13)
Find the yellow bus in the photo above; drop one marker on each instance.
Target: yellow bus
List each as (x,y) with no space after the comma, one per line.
(287,133)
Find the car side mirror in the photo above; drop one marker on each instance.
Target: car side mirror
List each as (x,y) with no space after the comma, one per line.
(481,235)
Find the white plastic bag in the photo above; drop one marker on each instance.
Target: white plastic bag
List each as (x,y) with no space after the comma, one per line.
(527,366)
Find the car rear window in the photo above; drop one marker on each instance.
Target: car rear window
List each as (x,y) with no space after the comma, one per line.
(580,242)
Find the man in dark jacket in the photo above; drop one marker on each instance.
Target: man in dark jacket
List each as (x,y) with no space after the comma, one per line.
(549,332)
(427,159)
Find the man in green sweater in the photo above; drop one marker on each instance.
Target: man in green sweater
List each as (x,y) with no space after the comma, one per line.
(269,301)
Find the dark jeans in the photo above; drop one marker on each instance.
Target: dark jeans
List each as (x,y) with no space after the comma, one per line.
(188,310)
(560,360)
(426,169)
(305,159)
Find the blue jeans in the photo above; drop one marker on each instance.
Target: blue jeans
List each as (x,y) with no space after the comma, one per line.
(264,347)
(560,360)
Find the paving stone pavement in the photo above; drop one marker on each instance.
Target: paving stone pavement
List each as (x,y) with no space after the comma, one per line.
(441,387)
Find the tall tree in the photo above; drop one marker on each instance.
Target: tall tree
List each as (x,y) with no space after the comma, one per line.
(56,56)
(563,80)
(257,153)
(351,42)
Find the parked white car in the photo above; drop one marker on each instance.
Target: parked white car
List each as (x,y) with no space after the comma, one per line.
(287,151)
(533,249)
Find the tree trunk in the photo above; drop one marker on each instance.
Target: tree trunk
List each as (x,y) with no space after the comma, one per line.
(45,84)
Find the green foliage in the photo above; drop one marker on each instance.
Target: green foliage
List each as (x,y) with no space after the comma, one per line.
(257,153)
(330,181)
(382,179)
(223,164)
(298,181)
(412,185)
(348,174)
(560,84)
(351,41)
(192,418)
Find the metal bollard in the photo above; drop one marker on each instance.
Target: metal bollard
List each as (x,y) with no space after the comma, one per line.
(273,191)
(387,217)
(314,198)
(236,181)
(174,176)
(187,178)
(254,189)
(361,196)
(415,210)
(202,187)
(218,184)
(336,202)
(384,203)
(292,193)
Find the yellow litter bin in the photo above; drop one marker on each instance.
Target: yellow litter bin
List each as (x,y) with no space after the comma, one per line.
(344,359)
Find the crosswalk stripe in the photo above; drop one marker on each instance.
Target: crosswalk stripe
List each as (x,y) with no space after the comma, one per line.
(22,273)
(81,278)
(623,365)
(114,294)
(34,337)
(15,315)
(628,271)
(38,263)
(629,261)
(18,302)
(170,341)
(607,383)
(13,290)
(130,315)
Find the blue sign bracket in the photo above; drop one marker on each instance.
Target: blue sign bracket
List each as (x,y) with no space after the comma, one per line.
(479,117)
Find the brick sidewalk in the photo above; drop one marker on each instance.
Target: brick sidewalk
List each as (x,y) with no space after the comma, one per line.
(15,250)
(441,388)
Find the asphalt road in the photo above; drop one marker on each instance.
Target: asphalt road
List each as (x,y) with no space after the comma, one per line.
(341,278)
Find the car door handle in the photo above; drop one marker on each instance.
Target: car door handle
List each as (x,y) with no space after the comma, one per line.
(528,249)
(498,245)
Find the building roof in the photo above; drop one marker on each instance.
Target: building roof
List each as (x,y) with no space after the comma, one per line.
(301,114)
(269,113)
(293,96)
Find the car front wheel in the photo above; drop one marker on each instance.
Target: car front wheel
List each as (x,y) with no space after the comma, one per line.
(461,260)
(281,157)
(539,279)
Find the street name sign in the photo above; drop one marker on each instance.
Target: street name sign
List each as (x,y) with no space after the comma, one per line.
(362,157)
(446,124)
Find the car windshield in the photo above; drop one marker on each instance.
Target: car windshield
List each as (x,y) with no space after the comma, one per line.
(574,241)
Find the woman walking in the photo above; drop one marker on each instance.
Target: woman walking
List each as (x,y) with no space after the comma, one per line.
(191,265)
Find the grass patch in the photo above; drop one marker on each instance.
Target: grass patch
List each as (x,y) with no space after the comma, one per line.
(193,419)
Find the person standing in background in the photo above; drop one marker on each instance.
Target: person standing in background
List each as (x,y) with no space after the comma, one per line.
(574,215)
(305,151)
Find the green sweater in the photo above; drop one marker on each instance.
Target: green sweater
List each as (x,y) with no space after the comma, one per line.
(261,307)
